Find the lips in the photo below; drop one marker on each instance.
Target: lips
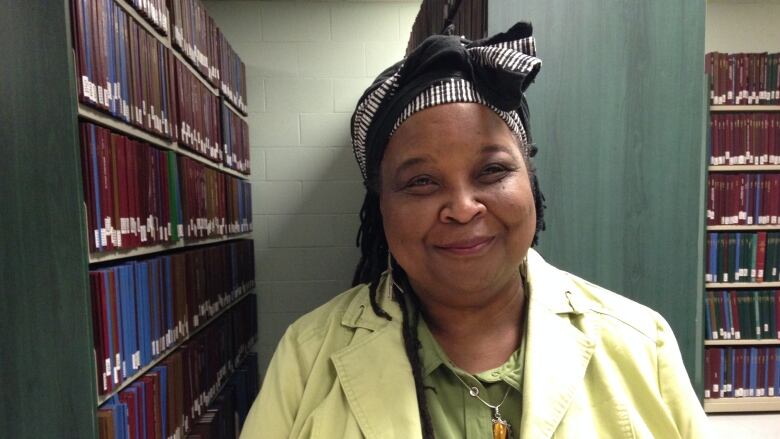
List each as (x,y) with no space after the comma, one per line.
(467,246)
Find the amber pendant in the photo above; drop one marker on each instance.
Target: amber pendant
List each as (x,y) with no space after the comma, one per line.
(501,428)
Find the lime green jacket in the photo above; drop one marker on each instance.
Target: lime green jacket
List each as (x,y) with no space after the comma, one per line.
(597,366)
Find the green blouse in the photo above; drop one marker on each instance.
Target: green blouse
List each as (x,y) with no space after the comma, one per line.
(454,412)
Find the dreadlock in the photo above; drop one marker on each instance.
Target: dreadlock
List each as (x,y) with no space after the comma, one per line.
(373,262)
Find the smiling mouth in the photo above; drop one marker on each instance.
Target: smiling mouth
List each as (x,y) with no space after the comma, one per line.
(467,247)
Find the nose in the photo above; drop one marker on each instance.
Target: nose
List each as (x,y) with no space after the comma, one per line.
(462,207)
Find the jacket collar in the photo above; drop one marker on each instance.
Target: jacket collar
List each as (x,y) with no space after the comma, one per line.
(557,352)
(374,366)
(374,369)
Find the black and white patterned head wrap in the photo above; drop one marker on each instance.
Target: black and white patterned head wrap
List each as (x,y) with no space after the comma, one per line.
(494,72)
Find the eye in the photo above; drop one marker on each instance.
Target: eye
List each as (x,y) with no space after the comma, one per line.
(422,184)
(493,173)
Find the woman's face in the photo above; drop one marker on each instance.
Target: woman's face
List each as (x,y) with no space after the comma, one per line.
(456,202)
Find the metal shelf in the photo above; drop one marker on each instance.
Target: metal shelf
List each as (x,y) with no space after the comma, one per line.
(742,342)
(746,404)
(743,168)
(114,255)
(717,108)
(743,227)
(752,285)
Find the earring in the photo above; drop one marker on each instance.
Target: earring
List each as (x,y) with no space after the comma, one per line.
(390,281)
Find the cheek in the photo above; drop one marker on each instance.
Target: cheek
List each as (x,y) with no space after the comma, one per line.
(405,223)
(514,206)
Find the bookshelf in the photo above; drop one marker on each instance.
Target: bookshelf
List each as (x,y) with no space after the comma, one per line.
(49,361)
(744,405)
(742,205)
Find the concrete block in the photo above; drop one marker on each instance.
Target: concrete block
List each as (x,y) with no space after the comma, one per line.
(276,197)
(272,60)
(346,93)
(365,22)
(298,95)
(273,129)
(299,297)
(301,230)
(305,264)
(260,231)
(380,56)
(332,197)
(331,59)
(257,163)
(294,21)
(255,94)
(311,164)
(325,129)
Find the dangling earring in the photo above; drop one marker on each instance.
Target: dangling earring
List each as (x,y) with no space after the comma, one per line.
(390,281)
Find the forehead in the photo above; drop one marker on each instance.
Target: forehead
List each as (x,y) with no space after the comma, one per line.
(448,131)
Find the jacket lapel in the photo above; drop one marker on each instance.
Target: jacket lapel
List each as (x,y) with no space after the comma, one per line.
(375,374)
(557,353)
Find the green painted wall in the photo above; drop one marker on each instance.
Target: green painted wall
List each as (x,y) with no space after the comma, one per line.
(618,112)
(46,366)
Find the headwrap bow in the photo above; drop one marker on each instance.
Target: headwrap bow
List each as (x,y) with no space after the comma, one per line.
(494,72)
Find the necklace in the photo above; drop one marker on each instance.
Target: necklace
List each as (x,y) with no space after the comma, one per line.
(501,428)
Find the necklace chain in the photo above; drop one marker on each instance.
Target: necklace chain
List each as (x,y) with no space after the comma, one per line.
(474,391)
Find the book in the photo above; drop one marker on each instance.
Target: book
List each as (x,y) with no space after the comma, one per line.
(142,308)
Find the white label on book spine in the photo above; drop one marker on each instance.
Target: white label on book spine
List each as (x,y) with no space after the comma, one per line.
(766,327)
(739,392)
(737,335)
(771,391)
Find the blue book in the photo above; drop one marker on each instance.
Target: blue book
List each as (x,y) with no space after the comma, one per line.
(727,320)
(776,365)
(767,384)
(707,317)
(714,257)
(142,283)
(169,317)
(753,371)
(131,316)
(154,299)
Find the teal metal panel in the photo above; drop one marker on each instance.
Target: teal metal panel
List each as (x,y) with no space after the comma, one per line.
(46,359)
(618,115)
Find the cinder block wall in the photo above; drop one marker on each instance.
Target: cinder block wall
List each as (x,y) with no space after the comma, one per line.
(307,64)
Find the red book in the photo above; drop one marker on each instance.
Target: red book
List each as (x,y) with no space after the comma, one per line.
(739,382)
(115,235)
(106,188)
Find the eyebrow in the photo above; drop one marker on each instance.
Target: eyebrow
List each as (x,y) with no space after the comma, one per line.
(413,161)
(408,163)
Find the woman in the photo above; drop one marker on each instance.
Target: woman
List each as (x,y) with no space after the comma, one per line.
(455,327)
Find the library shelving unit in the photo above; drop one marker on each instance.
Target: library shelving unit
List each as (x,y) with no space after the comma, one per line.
(743,403)
(48,255)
